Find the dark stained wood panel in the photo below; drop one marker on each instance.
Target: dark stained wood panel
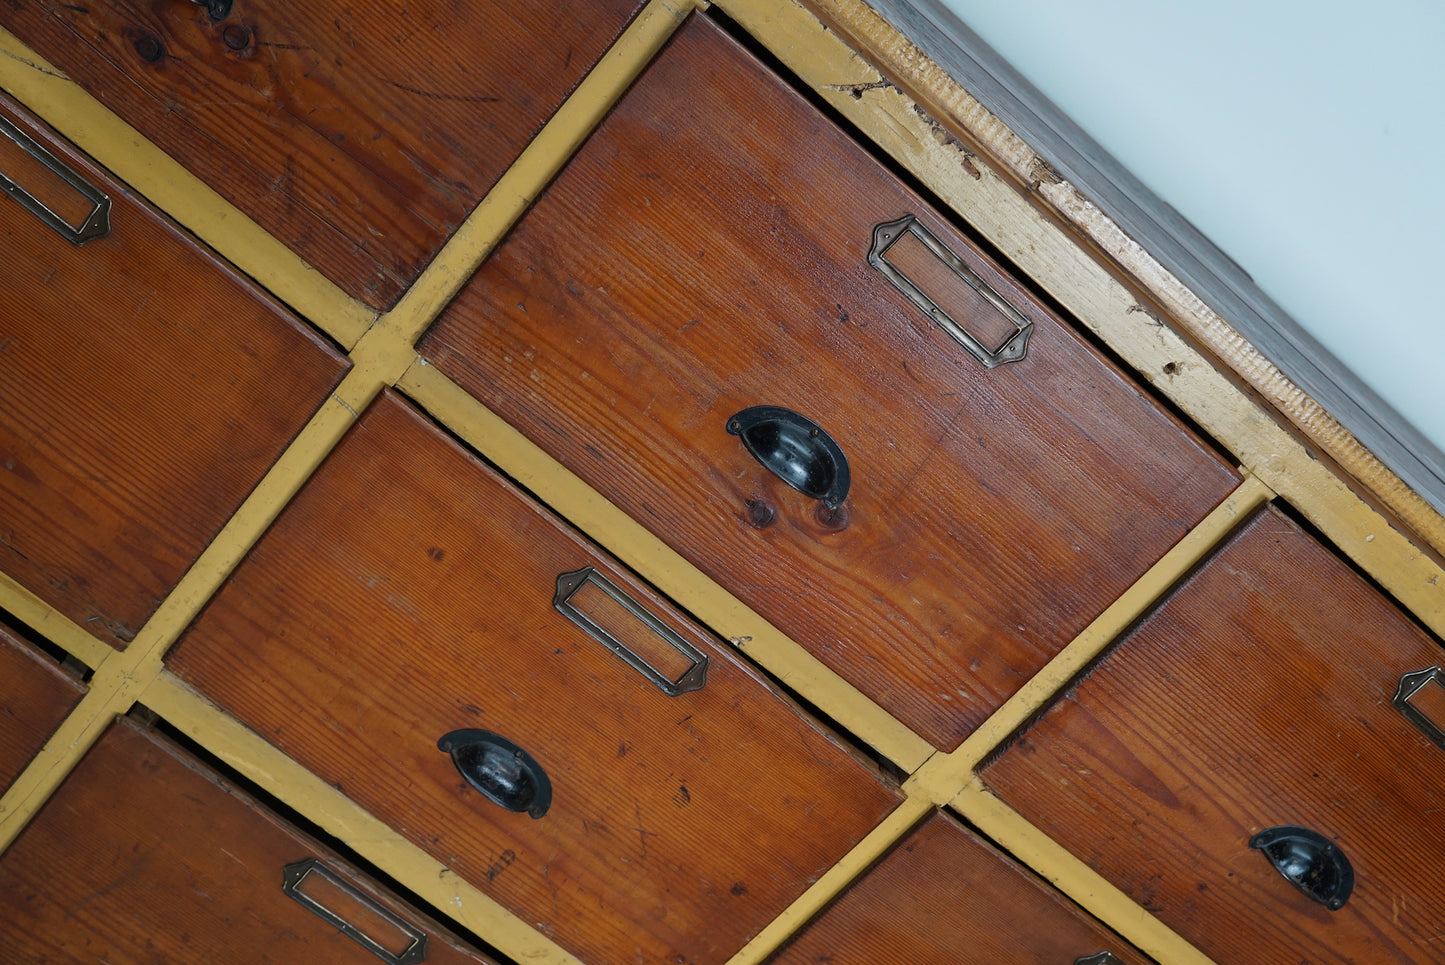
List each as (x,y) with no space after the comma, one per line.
(35,696)
(706,251)
(1258,695)
(360,134)
(408,592)
(144,856)
(145,388)
(944,896)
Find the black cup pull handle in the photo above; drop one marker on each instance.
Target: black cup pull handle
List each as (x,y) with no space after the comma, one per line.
(796,450)
(1099,958)
(1309,861)
(505,774)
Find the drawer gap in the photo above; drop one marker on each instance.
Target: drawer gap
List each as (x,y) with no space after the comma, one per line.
(1144,382)
(68,662)
(859,748)
(1103,655)
(1299,519)
(323,891)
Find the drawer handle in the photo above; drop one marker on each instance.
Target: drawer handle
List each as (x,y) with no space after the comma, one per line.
(1102,958)
(504,773)
(301,878)
(1012,348)
(794,449)
(1410,685)
(95,225)
(1310,862)
(577,599)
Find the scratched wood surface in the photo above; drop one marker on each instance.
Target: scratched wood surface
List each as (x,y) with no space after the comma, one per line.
(943,890)
(139,821)
(359,134)
(1259,695)
(145,388)
(407,592)
(707,251)
(35,696)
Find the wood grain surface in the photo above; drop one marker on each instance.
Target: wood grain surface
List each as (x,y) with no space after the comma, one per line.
(35,696)
(707,251)
(145,388)
(360,134)
(1257,696)
(407,592)
(944,896)
(144,856)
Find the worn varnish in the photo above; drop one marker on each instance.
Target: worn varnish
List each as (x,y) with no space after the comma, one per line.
(360,134)
(35,696)
(145,388)
(944,896)
(144,856)
(1258,695)
(706,251)
(408,592)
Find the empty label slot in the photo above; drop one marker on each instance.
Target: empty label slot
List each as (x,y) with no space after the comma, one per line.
(624,626)
(36,178)
(1429,700)
(337,901)
(950,292)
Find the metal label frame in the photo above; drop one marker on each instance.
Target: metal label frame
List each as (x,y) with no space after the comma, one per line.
(887,234)
(1410,685)
(95,225)
(569,583)
(296,873)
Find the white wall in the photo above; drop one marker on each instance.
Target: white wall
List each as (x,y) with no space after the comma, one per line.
(1306,140)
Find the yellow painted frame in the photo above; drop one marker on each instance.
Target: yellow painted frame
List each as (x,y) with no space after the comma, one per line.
(983,184)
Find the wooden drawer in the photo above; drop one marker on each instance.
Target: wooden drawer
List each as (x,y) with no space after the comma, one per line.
(408,592)
(1257,696)
(708,251)
(35,696)
(944,896)
(361,135)
(145,856)
(145,388)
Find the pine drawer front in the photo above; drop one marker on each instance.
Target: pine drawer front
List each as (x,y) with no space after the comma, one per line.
(408,593)
(944,896)
(35,696)
(145,388)
(1259,696)
(145,856)
(708,252)
(360,135)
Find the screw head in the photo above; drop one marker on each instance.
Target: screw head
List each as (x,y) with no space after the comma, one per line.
(235,36)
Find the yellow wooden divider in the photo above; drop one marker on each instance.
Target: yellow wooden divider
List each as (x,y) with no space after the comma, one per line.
(381,350)
(661,566)
(948,779)
(251,755)
(1075,878)
(1082,278)
(90,126)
